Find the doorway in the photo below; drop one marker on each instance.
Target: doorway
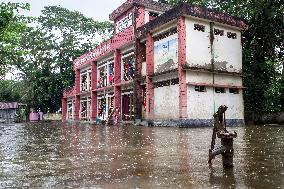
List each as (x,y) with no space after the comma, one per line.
(127,107)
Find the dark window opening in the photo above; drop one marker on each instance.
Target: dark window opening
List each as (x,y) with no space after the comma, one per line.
(175,81)
(218,32)
(166,34)
(153,15)
(199,27)
(84,83)
(162,84)
(143,52)
(220,90)
(166,83)
(110,104)
(200,88)
(111,74)
(127,107)
(84,111)
(102,79)
(231,35)
(234,90)
(128,67)
(102,108)
(90,80)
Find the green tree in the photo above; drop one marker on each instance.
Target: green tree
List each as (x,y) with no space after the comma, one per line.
(75,35)
(11,25)
(49,49)
(10,91)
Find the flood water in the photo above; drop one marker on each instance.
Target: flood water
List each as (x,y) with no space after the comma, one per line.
(55,155)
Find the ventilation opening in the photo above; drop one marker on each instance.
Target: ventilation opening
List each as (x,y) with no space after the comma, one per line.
(199,27)
(231,35)
(220,90)
(218,32)
(233,90)
(153,15)
(200,88)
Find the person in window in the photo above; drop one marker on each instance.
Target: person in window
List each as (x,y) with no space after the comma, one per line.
(131,70)
(110,78)
(83,111)
(126,74)
(100,82)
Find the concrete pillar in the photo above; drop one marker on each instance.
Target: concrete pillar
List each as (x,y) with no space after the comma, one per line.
(77,95)
(138,98)
(77,81)
(149,79)
(140,20)
(94,83)
(64,109)
(181,72)
(77,108)
(117,80)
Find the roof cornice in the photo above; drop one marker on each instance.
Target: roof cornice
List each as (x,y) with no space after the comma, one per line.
(183,9)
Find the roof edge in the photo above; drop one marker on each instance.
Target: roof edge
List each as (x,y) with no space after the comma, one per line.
(195,11)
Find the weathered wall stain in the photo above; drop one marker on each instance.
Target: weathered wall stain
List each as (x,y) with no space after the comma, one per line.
(222,66)
(169,65)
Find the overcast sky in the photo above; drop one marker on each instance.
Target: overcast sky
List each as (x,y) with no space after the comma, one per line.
(96,9)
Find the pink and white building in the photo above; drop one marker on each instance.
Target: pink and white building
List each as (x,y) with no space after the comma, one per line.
(169,66)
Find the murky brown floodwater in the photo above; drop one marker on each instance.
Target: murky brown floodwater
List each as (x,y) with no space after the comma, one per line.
(85,156)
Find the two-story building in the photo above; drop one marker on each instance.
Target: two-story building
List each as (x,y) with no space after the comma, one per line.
(170,66)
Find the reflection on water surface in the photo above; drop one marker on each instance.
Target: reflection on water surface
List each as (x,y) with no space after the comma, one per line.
(56,155)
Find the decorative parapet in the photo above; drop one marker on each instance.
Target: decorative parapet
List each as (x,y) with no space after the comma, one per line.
(105,47)
(68,92)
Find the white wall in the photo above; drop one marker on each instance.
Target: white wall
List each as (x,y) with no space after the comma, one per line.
(199,77)
(228,80)
(227,51)
(227,57)
(198,53)
(200,105)
(234,102)
(166,102)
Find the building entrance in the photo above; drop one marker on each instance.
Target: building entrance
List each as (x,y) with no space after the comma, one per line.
(127,107)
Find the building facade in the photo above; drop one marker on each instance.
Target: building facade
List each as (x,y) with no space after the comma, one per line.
(169,66)
(11,112)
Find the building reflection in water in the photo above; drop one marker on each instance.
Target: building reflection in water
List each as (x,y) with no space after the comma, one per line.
(56,155)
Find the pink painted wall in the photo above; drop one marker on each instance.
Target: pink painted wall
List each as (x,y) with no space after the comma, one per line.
(94,93)
(64,108)
(117,79)
(149,73)
(181,72)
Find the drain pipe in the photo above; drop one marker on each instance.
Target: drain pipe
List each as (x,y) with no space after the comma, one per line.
(212,59)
